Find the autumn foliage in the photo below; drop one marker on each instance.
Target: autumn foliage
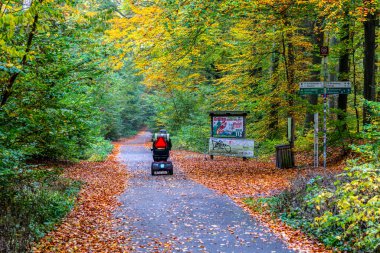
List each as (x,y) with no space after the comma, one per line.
(90,226)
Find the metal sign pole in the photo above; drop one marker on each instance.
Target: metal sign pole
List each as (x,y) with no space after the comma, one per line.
(316,160)
(324,129)
(324,112)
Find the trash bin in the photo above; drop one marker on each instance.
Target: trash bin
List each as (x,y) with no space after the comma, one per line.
(284,156)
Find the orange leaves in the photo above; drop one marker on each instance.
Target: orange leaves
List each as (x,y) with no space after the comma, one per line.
(233,176)
(90,227)
(241,179)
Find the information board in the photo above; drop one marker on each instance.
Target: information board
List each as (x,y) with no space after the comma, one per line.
(231,147)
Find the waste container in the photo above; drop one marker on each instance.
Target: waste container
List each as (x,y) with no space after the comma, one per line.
(284,156)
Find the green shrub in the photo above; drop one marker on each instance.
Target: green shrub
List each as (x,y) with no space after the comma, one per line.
(351,213)
(194,138)
(99,151)
(9,159)
(32,201)
(267,148)
(269,204)
(341,210)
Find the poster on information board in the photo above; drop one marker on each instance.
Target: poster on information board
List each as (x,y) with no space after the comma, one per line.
(228,124)
(231,147)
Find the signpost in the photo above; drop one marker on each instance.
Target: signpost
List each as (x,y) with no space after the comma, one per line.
(316,156)
(316,88)
(324,88)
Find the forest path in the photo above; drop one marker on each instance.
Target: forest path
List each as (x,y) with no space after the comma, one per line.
(166,213)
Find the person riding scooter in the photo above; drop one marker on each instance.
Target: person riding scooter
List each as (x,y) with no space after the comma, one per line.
(161,146)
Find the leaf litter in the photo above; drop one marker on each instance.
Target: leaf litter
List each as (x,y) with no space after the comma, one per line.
(240,179)
(90,226)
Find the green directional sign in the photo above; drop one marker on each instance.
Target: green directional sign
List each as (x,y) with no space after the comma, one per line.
(311,91)
(315,88)
(317,91)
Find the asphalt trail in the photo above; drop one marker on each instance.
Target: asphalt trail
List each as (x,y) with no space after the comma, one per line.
(166,213)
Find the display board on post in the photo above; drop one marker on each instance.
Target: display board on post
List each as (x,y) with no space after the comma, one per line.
(228,133)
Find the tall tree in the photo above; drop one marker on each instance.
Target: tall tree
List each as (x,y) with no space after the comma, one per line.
(27,24)
(369,60)
(316,35)
(344,67)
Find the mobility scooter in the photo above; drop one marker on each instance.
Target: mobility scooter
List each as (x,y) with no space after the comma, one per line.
(161,151)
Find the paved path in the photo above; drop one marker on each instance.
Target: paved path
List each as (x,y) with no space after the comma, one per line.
(175,214)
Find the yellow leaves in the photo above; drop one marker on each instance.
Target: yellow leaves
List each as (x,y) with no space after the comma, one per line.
(69,10)
(91,14)
(146,11)
(8,23)
(194,76)
(10,51)
(162,47)
(118,65)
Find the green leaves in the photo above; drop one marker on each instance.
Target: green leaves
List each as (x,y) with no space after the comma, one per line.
(356,202)
(66,98)
(32,201)
(369,150)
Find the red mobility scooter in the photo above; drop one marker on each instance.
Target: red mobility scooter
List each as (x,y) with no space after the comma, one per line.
(161,151)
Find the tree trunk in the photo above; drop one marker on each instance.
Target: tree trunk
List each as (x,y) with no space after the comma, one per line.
(369,91)
(291,87)
(344,69)
(289,60)
(317,40)
(291,73)
(273,113)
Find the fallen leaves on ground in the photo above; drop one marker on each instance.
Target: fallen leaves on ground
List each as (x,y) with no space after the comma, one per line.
(240,179)
(90,226)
